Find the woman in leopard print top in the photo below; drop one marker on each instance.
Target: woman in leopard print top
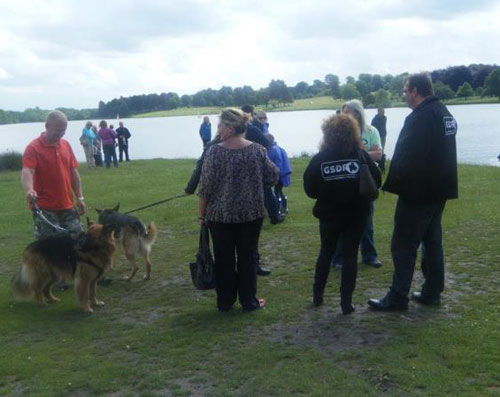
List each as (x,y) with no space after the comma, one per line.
(231,201)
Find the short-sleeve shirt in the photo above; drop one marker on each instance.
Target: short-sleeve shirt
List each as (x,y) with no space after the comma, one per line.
(52,177)
(370,137)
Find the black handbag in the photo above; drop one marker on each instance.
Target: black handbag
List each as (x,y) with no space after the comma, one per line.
(202,271)
(367,186)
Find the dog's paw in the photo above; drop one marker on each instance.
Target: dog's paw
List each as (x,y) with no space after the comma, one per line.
(147,277)
(127,278)
(53,299)
(98,303)
(88,309)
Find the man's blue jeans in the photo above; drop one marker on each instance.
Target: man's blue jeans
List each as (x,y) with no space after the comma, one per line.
(271,203)
(417,224)
(367,244)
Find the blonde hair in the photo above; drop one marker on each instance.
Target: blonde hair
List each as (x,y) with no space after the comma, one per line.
(236,119)
(341,131)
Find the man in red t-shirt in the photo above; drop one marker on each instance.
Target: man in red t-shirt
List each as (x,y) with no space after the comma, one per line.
(50,177)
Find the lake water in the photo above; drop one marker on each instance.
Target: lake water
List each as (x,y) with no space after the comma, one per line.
(478,138)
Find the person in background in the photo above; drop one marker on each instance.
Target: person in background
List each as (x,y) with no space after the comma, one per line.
(123,135)
(108,137)
(255,134)
(279,157)
(371,142)
(379,121)
(332,178)
(423,173)
(87,140)
(231,202)
(260,120)
(206,131)
(97,148)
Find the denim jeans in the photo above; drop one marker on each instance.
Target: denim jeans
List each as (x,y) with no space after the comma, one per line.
(417,224)
(271,203)
(368,251)
(110,153)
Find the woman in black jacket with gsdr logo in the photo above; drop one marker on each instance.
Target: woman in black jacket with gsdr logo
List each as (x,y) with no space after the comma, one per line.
(332,178)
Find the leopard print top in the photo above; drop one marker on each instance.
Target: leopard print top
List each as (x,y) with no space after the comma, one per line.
(232,183)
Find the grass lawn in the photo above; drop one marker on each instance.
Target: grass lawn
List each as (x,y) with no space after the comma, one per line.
(316,103)
(164,338)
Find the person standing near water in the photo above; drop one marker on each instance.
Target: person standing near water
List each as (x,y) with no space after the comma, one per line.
(423,173)
(206,131)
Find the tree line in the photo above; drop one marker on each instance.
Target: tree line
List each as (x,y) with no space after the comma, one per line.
(374,90)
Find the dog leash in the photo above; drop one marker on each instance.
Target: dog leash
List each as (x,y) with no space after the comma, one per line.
(38,213)
(158,202)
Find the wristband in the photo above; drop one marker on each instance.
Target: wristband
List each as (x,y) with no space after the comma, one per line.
(80,198)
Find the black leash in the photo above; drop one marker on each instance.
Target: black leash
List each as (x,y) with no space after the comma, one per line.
(158,202)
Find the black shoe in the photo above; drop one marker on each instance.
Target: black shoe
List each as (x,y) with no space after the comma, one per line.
(385,304)
(425,300)
(262,271)
(347,308)
(277,220)
(62,285)
(317,296)
(374,263)
(104,281)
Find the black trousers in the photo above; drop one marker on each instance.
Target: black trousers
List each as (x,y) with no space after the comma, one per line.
(235,253)
(351,228)
(417,224)
(123,147)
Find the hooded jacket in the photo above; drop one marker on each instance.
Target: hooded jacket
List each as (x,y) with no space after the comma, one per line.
(424,165)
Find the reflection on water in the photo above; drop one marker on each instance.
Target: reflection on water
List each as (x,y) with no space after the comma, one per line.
(478,138)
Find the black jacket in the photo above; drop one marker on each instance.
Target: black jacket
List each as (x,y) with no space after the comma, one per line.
(380,123)
(424,164)
(333,179)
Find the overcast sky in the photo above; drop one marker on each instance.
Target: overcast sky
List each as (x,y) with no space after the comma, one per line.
(74,53)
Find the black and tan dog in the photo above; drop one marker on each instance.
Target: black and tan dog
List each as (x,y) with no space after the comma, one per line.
(133,235)
(83,261)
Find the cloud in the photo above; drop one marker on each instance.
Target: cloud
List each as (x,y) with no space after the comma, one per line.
(74,53)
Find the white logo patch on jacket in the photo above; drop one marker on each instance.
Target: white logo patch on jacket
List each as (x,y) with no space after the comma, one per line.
(450,125)
(341,169)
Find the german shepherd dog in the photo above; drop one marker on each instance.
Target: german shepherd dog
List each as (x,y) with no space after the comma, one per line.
(133,235)
(83,261)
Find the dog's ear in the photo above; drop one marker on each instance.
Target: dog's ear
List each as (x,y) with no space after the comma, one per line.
(107,230)
(89,222)
(98,210)
(117,208)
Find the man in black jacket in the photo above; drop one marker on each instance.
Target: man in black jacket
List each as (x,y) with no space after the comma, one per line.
(123,135)
(423,173)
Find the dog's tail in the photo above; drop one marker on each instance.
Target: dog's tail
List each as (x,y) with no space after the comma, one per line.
(152,234)
(21,286)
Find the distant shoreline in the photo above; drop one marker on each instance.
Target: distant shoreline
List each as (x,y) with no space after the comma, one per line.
(316,103)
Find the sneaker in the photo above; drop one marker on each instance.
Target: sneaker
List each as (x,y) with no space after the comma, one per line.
(374,263)
(337,266)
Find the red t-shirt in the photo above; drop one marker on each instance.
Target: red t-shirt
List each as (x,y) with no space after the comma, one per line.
(52,177)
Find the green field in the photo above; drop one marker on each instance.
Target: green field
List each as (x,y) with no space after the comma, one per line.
(316,103)
(164,338)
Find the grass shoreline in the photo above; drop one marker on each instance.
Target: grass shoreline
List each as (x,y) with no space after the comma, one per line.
(317,103)
(163,337)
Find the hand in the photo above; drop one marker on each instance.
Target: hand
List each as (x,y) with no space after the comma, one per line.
(201,220)
(82,208)
(30,196)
